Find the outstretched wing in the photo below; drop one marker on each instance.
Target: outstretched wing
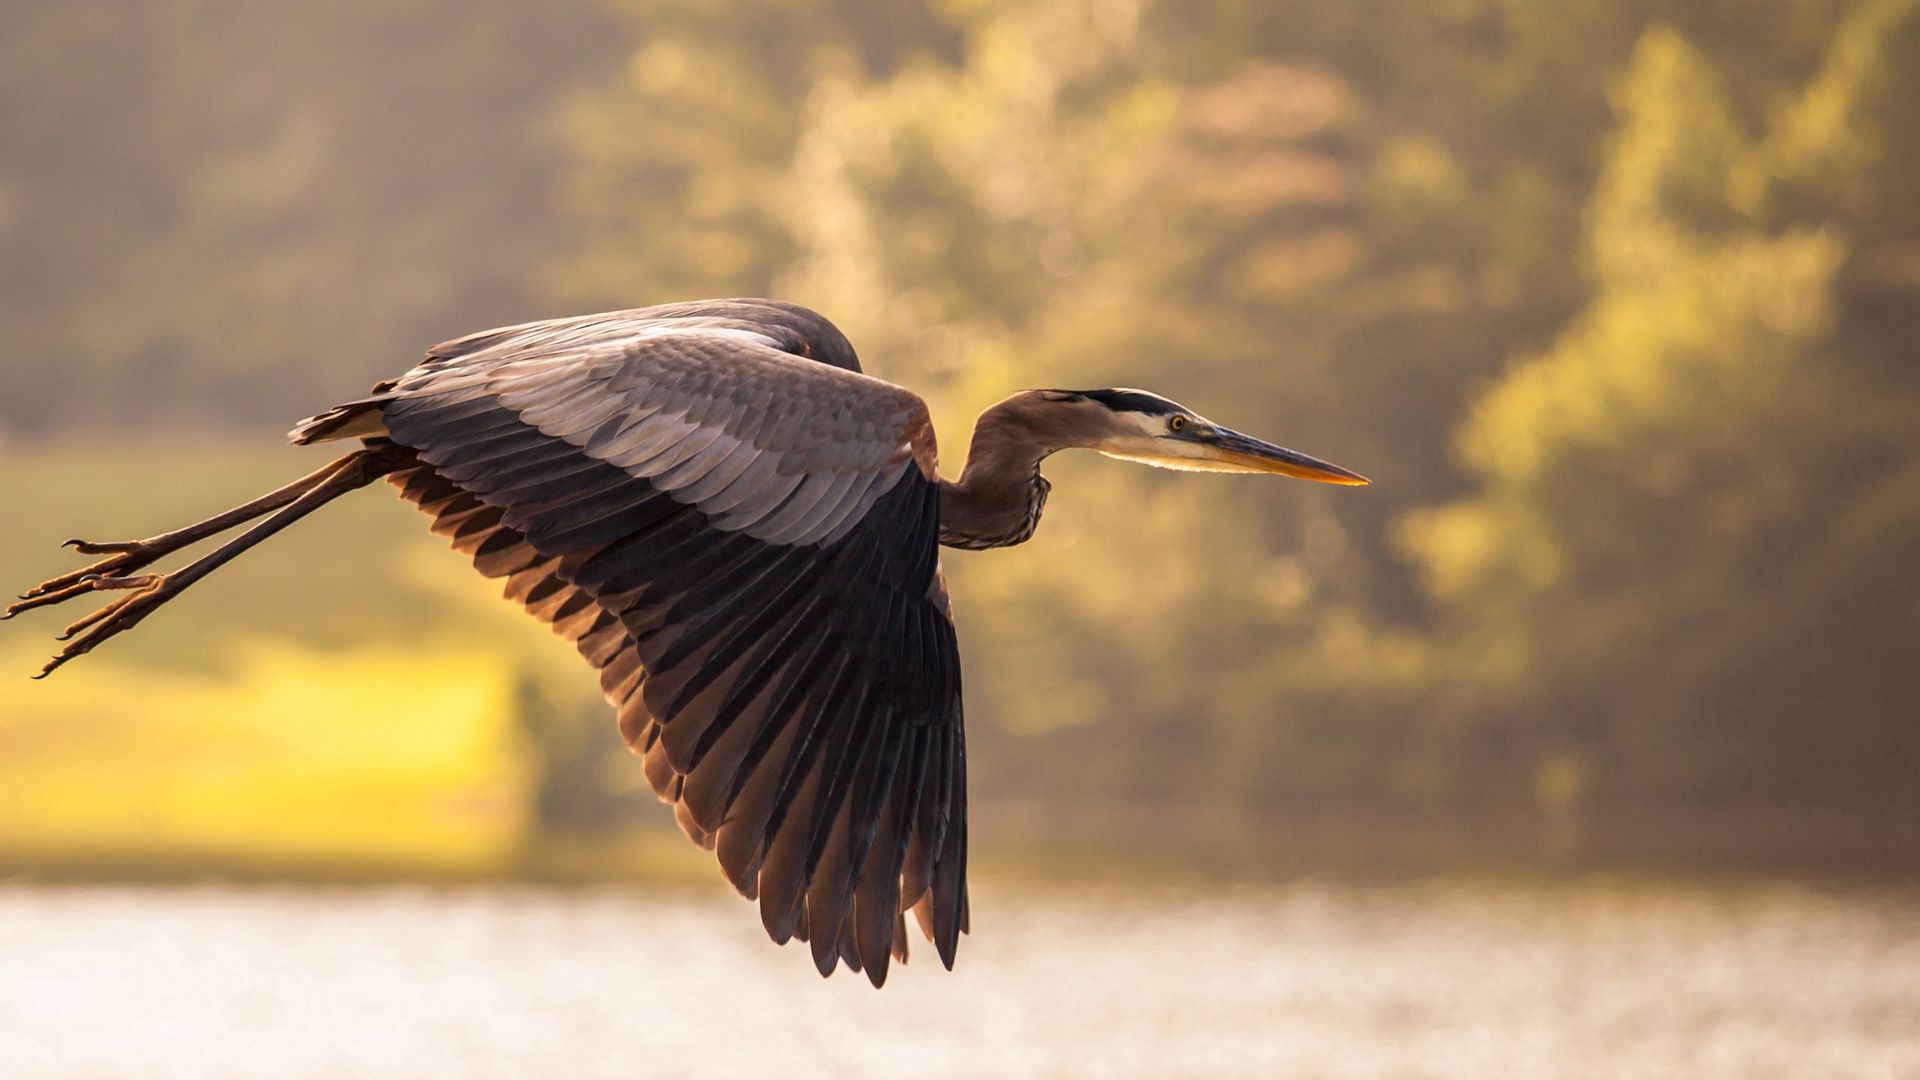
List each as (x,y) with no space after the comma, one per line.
(744,541)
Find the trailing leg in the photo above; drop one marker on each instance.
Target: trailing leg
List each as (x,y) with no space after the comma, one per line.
(148,591)
(129,555)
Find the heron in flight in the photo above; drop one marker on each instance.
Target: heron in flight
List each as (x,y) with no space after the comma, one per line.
(741,531)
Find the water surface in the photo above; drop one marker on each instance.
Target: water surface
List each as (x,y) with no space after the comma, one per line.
(1441,979)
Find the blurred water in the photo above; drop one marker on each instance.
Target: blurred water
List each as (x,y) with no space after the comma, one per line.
(1445,979)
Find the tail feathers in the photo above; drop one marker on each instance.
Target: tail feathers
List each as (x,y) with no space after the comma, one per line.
(354,419)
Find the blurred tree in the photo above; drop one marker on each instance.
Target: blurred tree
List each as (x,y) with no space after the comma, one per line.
(1693,568)
(576,785)
(677,187)
(246,208)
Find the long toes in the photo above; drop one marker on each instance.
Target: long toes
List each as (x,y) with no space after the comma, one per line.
(122,614)
(60,658)
(55,589)
(83,622)
(44,596)
(115,547)
(132,581)
(142,581)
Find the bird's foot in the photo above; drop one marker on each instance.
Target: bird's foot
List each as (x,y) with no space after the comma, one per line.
(122,558)
(111,547)
(146,592)
(113,573)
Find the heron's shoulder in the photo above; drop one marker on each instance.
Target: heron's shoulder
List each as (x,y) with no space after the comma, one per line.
(799,330)
(778,324)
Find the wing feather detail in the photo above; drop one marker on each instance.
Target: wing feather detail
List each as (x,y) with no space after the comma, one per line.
(743,541)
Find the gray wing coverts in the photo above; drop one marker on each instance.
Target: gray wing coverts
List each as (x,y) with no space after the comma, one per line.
(766,443)
(744,542)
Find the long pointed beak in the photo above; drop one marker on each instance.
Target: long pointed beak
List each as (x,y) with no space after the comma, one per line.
(1253,455)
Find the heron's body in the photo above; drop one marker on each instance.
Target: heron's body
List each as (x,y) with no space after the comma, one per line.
(740,531)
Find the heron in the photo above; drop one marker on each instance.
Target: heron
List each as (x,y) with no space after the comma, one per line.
(741,531)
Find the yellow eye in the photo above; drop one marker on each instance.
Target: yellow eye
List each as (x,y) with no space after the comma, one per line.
(1178,423)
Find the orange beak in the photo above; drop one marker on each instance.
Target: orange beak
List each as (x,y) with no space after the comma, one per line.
(1246,453)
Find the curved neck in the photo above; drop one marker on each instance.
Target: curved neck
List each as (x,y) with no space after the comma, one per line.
(1000,494)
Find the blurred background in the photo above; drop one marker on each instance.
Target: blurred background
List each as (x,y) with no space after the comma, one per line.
(1617,301)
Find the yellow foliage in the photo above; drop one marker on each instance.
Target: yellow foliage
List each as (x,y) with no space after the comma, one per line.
(286,754)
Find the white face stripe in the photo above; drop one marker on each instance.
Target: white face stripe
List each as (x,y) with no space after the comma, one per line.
(1146,442)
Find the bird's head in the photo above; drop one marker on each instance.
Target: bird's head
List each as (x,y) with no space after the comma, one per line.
(1134,425)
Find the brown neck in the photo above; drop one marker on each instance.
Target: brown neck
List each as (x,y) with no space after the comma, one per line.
(998,499)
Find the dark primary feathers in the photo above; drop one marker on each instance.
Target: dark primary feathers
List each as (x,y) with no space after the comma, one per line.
(744,542)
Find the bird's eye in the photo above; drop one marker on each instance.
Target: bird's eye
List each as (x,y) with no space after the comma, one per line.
(1178,423)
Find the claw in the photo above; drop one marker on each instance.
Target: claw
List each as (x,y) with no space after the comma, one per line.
(95,581)
(41,596)
(123,558)
(113,547)
(50,666)
(147,592)
(122,614)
